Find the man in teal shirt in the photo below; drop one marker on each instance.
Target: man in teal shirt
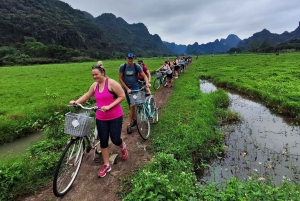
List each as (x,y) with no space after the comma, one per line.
(128,78)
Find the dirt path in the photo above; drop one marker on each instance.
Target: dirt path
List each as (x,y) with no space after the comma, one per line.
(88,186)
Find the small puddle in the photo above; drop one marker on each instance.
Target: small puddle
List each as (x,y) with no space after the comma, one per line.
(263,144)
(19,146)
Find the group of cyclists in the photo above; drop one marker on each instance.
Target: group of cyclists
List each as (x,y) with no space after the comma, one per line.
(109,94)
(174,68)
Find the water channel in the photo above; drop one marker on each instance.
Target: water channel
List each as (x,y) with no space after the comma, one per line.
(19,146)
(263,145)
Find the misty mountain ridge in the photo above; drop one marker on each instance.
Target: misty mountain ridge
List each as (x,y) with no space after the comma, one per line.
(54,22)
(271,38)
(232,40)
(222,45)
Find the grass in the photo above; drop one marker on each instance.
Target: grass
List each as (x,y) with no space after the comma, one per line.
(272,79)
(184,140)
(31,94)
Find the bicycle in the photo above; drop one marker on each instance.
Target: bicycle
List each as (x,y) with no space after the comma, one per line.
(181,68)
(79,127)
(161,79)
(145,111)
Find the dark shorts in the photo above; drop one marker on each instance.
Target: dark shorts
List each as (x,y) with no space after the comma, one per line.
(176,68)
(111,128)
(169,75)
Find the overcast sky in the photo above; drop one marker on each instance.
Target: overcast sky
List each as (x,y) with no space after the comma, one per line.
(202,21)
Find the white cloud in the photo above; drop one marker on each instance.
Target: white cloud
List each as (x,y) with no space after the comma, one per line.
(202,21)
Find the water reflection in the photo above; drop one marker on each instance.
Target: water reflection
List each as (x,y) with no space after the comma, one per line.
(262,144)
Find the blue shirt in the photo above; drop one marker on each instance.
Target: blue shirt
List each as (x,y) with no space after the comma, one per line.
(130,76)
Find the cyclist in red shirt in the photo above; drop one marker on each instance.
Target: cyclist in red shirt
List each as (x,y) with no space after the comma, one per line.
(147,72)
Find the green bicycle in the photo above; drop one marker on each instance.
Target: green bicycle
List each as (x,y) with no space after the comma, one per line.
(146,111)
(160,80)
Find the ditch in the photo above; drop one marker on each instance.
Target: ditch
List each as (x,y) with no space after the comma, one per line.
(20,145)
(263,145)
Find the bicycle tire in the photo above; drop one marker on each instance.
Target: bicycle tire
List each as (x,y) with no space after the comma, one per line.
(154,110)
(68,167)
(142,122)
(156,83)
(164,80)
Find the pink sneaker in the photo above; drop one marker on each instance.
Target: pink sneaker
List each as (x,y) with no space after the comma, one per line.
(124,152)
(105,169)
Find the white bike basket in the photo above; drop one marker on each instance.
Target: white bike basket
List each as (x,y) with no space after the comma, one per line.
(78,125)
(159,74)
(137,97)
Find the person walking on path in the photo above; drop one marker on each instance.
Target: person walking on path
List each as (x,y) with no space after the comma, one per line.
(108,95)
(128,77)
(147,72)
(166,68)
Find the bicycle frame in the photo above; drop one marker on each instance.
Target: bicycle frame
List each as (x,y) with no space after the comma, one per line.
(162,78)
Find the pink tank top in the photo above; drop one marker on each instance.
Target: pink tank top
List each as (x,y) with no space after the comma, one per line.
(105,98)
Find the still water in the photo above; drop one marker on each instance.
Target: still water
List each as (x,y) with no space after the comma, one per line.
(19,146)
(263,145)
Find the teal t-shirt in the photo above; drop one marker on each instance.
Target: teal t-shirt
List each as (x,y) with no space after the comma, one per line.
(130,76)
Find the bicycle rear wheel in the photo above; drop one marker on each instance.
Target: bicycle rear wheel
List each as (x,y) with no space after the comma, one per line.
(95,141)
(154,110)
(142,122)
(68,167)
(164,80)
(156,83)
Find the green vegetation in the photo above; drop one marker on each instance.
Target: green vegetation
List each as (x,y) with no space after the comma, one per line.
(33,52)
(273,79)
(30,95)
(186,138)
(59,33)
(183,142)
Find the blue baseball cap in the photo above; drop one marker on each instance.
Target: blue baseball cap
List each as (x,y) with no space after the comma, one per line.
(130,55)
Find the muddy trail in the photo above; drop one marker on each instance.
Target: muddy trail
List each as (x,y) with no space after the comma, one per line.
(87,186)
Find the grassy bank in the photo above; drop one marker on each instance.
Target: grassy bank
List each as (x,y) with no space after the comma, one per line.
(39,101)
(30,95)
(272,79)
(186,138)
(183,141)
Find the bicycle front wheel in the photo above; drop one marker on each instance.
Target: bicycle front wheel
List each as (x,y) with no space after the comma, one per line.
(68,167)
(156,83)
(153,110)
(142,122)
(164,80)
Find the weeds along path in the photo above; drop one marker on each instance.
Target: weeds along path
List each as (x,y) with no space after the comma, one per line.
(88,186)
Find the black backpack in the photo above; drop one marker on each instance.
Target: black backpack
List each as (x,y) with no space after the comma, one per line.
(136,70)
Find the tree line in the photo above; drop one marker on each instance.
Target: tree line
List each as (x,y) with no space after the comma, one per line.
(265,47)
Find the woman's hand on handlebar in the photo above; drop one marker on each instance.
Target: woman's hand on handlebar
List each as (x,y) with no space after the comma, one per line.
(104,108)
(73,102)
(129,91)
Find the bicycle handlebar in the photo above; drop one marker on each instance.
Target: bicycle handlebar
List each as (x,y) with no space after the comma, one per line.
(86,108)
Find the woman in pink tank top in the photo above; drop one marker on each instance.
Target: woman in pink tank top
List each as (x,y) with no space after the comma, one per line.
(108,95)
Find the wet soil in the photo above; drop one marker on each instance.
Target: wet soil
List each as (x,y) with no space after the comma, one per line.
(88,186)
